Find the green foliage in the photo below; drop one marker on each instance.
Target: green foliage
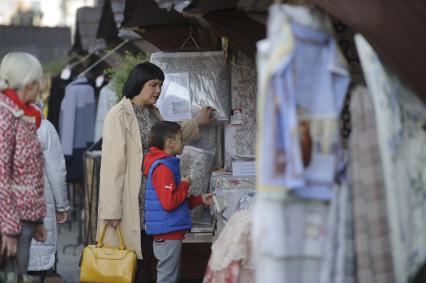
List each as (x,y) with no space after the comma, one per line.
(119,75)
(56,66)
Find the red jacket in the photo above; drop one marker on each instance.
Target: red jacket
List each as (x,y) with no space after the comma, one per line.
(21,169)
(171,195)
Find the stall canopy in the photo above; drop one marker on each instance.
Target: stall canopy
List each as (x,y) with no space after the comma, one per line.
(107,25)
(167,30)
(87,23)
(203,6)
(241,29)
(109,31)
(146,13)
(237,20)
(396,30)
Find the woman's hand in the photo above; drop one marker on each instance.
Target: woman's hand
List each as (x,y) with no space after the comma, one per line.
(205,116)
(8,245)
(207,198)
(40,233)
(112,222)
(61,216)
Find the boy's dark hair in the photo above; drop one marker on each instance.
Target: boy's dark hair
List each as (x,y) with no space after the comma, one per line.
(137,78)
(163,130)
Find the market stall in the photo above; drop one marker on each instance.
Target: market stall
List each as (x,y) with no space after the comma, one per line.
(316,139)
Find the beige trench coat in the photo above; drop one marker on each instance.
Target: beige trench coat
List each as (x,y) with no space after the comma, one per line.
(121,173)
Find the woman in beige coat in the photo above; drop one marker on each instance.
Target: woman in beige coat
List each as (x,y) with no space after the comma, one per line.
(125,139)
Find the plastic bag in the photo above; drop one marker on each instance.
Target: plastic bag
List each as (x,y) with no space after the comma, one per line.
(197,164)
(207,76)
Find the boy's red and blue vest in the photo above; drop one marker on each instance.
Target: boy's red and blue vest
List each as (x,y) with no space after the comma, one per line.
(157,219)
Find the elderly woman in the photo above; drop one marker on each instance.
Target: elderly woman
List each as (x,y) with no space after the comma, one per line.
(125,140)
(22,205)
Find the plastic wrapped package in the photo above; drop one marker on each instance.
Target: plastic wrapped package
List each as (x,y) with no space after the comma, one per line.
(236,200)
(211,140)
(197,164)
(207,140)
(224,180)
(238,193)
(204,73)
(231,145)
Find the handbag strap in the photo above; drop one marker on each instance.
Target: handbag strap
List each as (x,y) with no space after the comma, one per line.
(101,238)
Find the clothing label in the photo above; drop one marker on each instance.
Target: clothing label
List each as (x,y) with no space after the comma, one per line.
(236,117)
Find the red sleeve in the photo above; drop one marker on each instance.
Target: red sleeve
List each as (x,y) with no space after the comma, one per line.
(195,201)
(169,195)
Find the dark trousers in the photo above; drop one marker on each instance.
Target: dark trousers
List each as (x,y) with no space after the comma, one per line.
(145,266)
(19,263)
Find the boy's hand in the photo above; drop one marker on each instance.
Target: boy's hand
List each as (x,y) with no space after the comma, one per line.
(207,198)
(187,180)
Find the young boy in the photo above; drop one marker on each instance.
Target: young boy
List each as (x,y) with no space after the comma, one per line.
(167,203)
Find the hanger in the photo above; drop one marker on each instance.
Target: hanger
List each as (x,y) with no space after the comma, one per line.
(72,65)
(67,71)
(103,58)
(189,37)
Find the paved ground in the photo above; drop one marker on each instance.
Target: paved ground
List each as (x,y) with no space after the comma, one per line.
(69,252)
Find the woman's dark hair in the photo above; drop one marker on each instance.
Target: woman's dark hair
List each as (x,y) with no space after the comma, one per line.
(163,130)
(140,74)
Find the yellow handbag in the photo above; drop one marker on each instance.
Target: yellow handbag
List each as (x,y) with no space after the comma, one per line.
(101,264)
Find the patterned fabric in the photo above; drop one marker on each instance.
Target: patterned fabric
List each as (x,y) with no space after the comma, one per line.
(244,87)
(400,117)
(369,202)
(293,249)
(338,262)
(198,164)
(288,98)
(146,119)
(21,169)
(231,260)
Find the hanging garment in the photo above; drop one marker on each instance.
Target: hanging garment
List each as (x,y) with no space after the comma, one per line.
(57,92)
(338,260)
(302,86)
(231,260)
(77,125)
(292,96)
(288,239)
(107,99)
(400,118)
(371,227)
